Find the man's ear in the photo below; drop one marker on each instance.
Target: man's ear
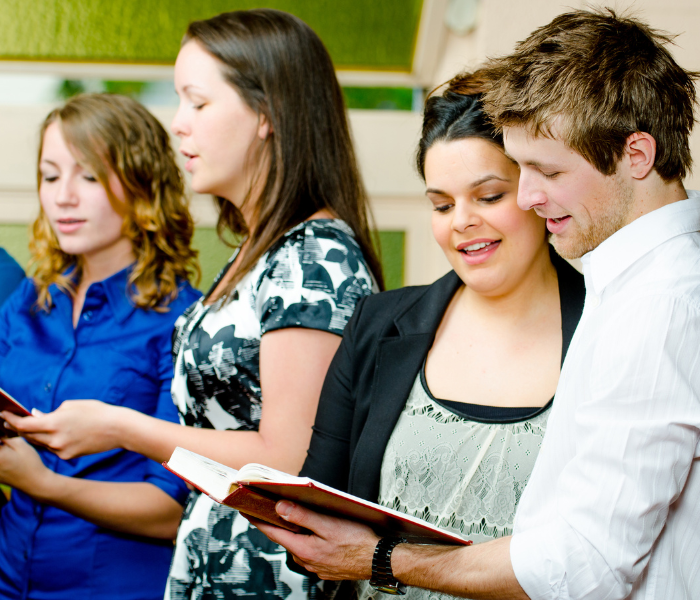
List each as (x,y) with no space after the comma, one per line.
(264,126)
(640,151)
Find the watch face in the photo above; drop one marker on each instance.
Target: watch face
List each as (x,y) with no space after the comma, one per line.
(398,589)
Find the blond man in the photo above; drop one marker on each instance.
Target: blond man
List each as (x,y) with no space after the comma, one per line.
(597,114)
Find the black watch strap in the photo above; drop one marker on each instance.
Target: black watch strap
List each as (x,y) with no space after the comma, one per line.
(383,579)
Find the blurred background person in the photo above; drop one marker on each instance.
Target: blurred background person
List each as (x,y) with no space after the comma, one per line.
(111,262)
(11,275)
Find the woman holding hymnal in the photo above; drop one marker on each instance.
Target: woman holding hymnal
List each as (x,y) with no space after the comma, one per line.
(263,128)
(437,400)
(111,260)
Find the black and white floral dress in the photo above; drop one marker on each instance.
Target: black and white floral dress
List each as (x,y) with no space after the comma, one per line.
(312,278)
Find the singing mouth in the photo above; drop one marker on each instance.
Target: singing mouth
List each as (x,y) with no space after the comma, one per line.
(478,247)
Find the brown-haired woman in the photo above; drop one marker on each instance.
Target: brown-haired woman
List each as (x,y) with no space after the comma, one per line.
(111,255)
(263,126)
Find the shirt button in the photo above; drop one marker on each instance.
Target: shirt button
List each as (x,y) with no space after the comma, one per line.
(595,301)
(87,315)
(47,387)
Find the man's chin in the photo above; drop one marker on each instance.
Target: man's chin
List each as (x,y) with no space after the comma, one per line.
(570,247)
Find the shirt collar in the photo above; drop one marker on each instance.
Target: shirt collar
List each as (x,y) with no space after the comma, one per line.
(627,245)
(114,288)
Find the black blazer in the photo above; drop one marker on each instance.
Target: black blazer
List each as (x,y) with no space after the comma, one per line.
(372,373)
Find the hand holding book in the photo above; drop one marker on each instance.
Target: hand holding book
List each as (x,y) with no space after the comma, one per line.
(337,549)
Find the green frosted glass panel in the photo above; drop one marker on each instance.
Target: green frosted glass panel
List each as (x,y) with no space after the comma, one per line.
(213,255)
(358,33)
(378,98)
(15,239)
(393,252)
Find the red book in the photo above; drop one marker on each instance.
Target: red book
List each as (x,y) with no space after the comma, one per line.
(255,489)
(9,404)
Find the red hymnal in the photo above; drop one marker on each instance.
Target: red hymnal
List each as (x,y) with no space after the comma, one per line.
(255,489)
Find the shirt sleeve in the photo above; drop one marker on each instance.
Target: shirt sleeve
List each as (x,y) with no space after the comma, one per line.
(635,439)
(314,281)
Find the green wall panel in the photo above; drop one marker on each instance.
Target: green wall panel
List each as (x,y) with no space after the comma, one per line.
(15,239)
(213,253)
(381,98)
(393,252)
(358,33)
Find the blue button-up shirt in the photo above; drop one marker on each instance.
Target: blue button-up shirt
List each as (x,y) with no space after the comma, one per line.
(118,354)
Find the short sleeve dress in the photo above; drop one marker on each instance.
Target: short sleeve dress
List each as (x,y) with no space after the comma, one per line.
(313,278)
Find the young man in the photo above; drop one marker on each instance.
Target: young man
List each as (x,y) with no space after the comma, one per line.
(597,114)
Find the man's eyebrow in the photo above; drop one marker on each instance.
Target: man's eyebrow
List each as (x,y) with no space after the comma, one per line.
(528,163)
(540,165)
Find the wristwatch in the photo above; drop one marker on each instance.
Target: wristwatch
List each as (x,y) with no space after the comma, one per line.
(383,579)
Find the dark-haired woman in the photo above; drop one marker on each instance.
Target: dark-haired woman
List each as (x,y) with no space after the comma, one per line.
(437,400)
(263,127)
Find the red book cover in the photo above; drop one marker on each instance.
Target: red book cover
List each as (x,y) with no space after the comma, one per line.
(9,404)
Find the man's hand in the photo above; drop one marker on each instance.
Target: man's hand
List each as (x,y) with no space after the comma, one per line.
(76,428)
(21,466)
(337,549)
(340,549)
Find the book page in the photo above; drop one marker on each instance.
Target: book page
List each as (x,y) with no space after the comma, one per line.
(210,476)
(254,472)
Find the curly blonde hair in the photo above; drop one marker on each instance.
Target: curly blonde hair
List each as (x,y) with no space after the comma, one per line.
(109,133)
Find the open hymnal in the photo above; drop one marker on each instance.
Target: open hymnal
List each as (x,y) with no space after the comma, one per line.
(255,489)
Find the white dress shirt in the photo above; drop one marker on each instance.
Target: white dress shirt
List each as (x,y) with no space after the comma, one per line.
(612,509)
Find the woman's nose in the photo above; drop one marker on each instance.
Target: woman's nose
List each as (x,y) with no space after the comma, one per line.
(465,215)
(65,194)
(177,125)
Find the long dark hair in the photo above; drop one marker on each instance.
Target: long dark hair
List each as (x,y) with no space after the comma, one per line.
(456,114)
(282,70)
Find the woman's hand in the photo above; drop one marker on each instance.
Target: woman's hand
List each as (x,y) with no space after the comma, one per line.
(76,428)
(21,466)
